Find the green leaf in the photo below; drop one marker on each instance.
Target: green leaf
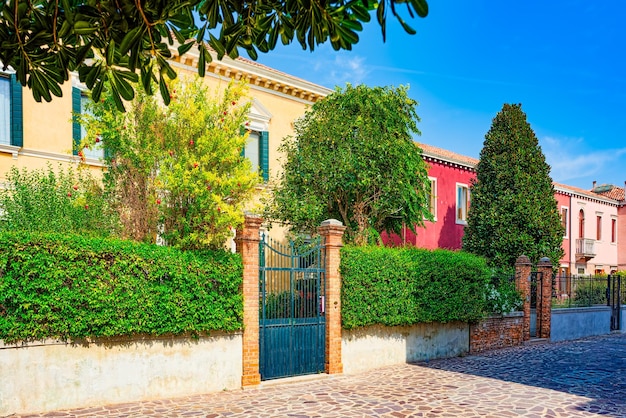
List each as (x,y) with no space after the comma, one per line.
(184,48)
(83,27)
(420,6)
(406,27)
(122,85)
(217,46)
(165,92)
(202,60)
(130,39)
(110,52)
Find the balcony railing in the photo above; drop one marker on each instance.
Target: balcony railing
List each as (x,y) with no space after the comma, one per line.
(585,248)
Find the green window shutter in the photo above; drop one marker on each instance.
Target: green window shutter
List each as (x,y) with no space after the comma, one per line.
(242,132)
(17,119)
(264,157)
(76,109)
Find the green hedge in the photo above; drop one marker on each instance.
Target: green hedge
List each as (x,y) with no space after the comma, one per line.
(404,286)
(73,287)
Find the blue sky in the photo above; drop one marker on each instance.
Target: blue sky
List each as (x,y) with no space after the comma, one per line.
(564,61)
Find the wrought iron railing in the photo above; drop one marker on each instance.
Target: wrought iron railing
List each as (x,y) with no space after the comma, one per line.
(579,291)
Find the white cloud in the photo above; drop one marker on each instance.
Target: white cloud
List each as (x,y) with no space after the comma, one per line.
(344,69)
(569,159)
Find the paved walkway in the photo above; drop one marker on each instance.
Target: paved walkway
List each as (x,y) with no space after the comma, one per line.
(584,378)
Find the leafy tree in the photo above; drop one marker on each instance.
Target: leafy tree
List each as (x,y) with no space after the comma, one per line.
(353,159)
(177,168)
(61,200)
(109,40)
(513,210)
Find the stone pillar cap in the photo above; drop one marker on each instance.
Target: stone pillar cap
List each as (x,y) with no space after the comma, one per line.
(545,261)
(331,222)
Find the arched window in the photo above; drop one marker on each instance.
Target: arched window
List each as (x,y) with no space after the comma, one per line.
(581,224)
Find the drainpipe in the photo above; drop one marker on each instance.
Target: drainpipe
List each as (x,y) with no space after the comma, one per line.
(570,236)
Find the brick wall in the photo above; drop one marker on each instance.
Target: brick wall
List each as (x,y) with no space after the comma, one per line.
(497,332)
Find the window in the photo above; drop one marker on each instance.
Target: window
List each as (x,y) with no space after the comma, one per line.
(256,151)
(613,230)
(257,148)
(79,105)
(598,228)
(11,124)
(565,221)
(581,224)
(462,203)
(5,111)
(432,197)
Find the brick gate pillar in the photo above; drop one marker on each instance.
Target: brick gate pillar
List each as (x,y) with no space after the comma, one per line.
(522,284)
(247,242)
(331,231)
(544,304)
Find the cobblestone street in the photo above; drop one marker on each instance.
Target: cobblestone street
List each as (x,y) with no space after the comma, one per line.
(583,378)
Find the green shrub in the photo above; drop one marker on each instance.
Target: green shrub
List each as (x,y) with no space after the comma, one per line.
(71,287)
(64,201)
(591,291)
(404,286)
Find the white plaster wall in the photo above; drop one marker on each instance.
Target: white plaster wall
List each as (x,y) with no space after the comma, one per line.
(376,346)
(49,375)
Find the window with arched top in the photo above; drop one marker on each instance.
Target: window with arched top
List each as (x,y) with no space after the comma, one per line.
(581,224)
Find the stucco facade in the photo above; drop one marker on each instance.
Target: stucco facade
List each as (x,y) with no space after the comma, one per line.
(591,247)
(450,174)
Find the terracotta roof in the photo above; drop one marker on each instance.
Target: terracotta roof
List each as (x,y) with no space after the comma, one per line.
(445,155)
(583,192)
(614,192)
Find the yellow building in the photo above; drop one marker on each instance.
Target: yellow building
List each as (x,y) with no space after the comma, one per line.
(33,134)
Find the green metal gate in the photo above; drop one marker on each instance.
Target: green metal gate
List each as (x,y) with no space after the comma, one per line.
(292,326)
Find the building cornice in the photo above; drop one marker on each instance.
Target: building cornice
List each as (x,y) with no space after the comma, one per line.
(597,199)
(55,156)
(448,161)
(258,75)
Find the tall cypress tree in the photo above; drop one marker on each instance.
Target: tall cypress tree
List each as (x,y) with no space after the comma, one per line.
(513,210)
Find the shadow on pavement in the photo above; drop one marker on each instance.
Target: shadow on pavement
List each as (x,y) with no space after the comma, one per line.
(594,368)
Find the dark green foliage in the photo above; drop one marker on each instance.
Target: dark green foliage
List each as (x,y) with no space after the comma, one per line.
(72,287)
(404,286)
(353,159)
(513,210)
(124,40)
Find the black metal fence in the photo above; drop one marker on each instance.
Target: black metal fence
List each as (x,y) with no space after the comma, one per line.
(581,291)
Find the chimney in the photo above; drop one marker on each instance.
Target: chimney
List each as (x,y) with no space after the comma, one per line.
(594,186)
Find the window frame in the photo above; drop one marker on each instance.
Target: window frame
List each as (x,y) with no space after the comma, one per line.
(15,115)
(613,230)
(7,116)
(598,227)
(464,208)
(565,221)
(581,224)
(432,197)
(79,96)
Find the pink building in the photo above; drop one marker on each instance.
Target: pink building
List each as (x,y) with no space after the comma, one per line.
(591,231)
(594,221)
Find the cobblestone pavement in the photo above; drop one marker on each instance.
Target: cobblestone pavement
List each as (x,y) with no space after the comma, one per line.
(584,378)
